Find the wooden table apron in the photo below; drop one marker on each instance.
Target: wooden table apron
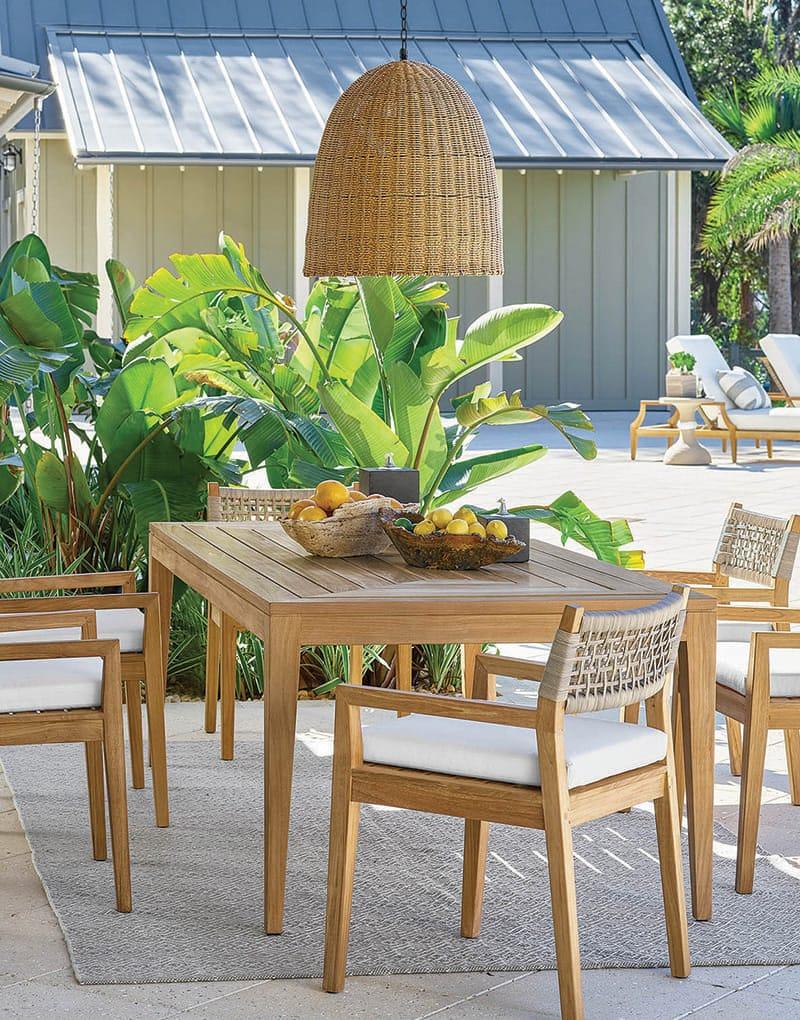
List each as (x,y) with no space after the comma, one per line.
(242,569)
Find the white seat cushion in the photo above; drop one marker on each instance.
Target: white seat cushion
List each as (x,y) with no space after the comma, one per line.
(739,630)
(595,749)
(123,625)
(733,658)
(37,685)
(773,419)
(783,351)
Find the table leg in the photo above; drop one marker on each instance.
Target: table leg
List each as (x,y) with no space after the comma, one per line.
(161,580)
(281,670)
(697,693)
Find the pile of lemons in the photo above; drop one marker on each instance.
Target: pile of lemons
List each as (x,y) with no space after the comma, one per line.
(463,522)
(328,496)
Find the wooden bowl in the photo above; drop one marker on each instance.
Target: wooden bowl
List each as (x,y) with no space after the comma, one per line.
(353,530)
(445,552)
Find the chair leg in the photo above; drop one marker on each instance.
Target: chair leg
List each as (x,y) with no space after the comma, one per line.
(791,739)
(212,670)
(668,831)
(468,655)
(754,753)
(476,844)
(734,729)
(228,685)
(769,449)
(724,445)
(677,745)
(97,798)
(758,444)
(356,671)
(113,747)
(345,817)
(630,714)
(565,917)
(133,700)
(734,449)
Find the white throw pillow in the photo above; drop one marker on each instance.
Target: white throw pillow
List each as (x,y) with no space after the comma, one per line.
(742,387)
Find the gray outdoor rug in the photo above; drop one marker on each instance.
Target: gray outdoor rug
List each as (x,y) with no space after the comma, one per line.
(197,885)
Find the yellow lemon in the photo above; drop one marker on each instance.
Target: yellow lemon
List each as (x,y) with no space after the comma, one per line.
(477,529)
(424,528)
(356,495)
(312,513)
(457,527)
(441,518)
(299,506)
(497,530)
(465,514)
(331,494)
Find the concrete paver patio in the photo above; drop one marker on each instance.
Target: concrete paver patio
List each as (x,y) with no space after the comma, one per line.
(676,514)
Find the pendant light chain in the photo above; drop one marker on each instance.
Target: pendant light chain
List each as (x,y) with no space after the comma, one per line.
(37,131)
(404,29)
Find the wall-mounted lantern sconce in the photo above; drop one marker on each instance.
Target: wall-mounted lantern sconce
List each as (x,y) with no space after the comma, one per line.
(11,158)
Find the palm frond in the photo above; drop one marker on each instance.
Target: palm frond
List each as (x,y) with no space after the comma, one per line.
(776,81)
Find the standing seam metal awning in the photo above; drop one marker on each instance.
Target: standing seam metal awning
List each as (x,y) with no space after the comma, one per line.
(258,98)
(20,84)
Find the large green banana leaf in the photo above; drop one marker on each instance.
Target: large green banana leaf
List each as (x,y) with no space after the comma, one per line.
(412,408)
(123,287)
(494,336)
(367,435)
(145,386)
(467,474)
(505,410)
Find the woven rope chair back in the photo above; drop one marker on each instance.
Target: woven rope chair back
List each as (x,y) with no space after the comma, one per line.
(615,658)
(226,503)
(755,547)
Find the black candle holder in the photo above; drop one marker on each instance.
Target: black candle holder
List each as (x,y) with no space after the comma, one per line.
(518,527)
(400,483)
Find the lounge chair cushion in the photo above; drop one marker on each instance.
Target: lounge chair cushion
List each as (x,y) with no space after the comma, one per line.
(733,658)
(773,419)
(38,685)
(743,389)
(595,749)
(783,351)
(123,625)
(708,361)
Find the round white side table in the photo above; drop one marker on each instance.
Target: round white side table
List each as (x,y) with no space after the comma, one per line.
(686,449)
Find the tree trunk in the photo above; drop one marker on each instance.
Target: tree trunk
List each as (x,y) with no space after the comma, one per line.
(747,312)
(780,287)
(795,247)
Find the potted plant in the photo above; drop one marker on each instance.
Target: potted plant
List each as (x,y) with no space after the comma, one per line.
(681,380)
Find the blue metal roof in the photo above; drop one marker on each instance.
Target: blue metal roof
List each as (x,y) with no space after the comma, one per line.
(558,82)
(23,23)
(231,97)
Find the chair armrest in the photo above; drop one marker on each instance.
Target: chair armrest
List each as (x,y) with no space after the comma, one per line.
(93,649)
(692,577)
(417,703)
(85,619)
(125,579)
(776,639)
(759,614)
(506,665)
(729,594)
(146,601)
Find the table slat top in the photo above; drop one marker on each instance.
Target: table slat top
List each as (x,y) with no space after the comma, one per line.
(267,568)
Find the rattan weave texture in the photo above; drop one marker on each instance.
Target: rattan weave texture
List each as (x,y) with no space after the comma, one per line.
(404,181)
(616,658)
(226,503)
(756,547)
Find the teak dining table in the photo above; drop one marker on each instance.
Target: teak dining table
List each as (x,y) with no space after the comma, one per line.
(271,587)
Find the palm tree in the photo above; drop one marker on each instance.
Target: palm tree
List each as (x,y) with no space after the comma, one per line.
(757,199)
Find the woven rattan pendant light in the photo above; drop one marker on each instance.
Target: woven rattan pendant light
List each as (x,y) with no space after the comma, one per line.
(404,180)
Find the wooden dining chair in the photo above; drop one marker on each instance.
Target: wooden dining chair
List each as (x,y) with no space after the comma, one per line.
(761,551)
(229,503)
(488,762)
(133,619)
(61,689)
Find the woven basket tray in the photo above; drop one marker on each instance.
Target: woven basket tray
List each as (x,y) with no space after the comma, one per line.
(445,552)
(354,530)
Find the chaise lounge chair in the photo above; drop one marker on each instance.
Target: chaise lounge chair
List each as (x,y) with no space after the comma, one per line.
(782,360)
(721,419)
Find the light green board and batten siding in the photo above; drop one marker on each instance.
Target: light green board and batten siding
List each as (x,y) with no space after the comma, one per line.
(610,250)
